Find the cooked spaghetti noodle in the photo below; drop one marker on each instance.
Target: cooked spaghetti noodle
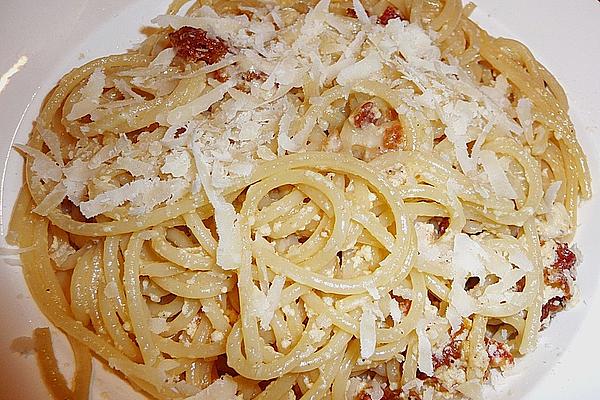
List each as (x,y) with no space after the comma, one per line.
(302,200)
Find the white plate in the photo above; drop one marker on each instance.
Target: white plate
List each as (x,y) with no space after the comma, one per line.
(57,36)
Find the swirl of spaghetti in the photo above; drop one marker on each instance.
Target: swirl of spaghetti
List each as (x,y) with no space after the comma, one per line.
(333,199)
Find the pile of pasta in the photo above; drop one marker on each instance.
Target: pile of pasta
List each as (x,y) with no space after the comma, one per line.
(302,200)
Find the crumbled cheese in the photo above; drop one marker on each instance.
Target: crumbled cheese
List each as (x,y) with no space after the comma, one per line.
(450,376)
(549,253)
(468,261)
(323,321)
(135,167)
(155,148)
(428,393)
(177,163)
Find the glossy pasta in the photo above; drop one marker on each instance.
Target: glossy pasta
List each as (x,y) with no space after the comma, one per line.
(302,200)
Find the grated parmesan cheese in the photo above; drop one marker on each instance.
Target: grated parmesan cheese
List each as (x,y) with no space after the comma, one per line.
(143,194)
(43,166)
(224,388)
(90,96)
(395,311)
(363,69)
(368,335)
(182,114)
(496,175)
(177,163)
(523,110)
(425,354)
(53,142)
(229,248)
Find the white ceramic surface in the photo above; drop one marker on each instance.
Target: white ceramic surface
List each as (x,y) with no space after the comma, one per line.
(57,36)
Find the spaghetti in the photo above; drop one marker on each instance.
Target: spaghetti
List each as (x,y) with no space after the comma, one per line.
(302,200)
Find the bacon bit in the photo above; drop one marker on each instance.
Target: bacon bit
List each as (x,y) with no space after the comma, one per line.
(439,139)
(520,285)
(297,391)
(471,283)
(498,353)
(565,258)
(393,137)
(451,352)
(412,395)
(558,280)
(557,274)
(250,76)
(389,13)
(429,381)
(134,135)
(392,395)
(404,304)
(363,396)
(553,306)
(441,224)
(220,75)
(470,147)
(351,13)
(179,132)
(421,375)
(433,299)
(367,114)
(193,45)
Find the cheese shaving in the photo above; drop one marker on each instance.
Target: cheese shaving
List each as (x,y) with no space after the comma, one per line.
(424,357)
(368,333)
(495,173)
(90,96)
(43,166)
